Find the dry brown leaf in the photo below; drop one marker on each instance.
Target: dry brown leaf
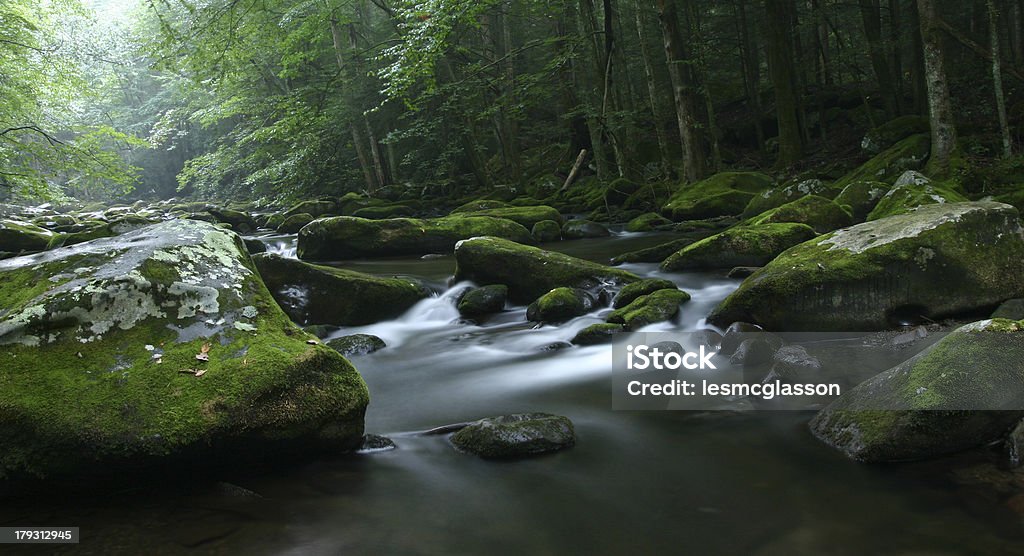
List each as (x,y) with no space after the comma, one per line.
(205,348)
(200,372)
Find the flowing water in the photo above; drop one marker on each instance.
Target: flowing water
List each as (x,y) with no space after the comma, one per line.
(726,482)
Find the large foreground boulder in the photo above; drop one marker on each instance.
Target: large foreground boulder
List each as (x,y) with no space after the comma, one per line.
(739,246)
(160,349)
(530,272)
(936,262)
(314,294)
(347,237)
(966,390)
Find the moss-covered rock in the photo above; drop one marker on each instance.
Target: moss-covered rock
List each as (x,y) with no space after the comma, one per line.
(1012,309)
(530,272)
(936,262)
(17,236)
(385,211)
(908,154)
(560,305)
(316,208)
(630,292)
(483,301)
(600,333)
(862,197)
(772,198)
(526,217)
(967,390)
(725,193)
(910,191)
(238,220)
(347,237)
(516,436)
(313,294)
(161,345)
(583,229)
(546,231)
(480,204)
(274,221)
(739,246)
(821,214)
(647,222)
(894,131)
(355,345)
(662,251)
(658,306)
(294,223)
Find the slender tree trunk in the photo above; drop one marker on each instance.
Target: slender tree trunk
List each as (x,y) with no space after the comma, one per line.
(751,63)
(940,108)
(871,15)
(682,92)
(896,50)
(1016,24)
(699,47)
(510,124)
(780,65)
(569,83)
(357,137)
(610,96)
(918,72)
(652,91)
(997,77)
(598,67)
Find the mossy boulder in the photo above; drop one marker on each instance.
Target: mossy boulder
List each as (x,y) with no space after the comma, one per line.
(1012,309)
(480,204)
(1015,198)
(17,236)
(238,220)
(294,223)
(862,197)
(274,221)
(657,306)
(647,222)
(936,262)
(772,198)
(560,305)
(660,252)
(516,436)
(821,214)
(485,300)
(908,154)
(910,191)
(595,334)
(526,217)
(725,193)
(314,294)
(546,231)
(347,237)
(630,292)
(385,211)
(159,350)
(965,391)
(314,208)
(530,272)
(583,229)
(894,131)
(355,345)
(739,246)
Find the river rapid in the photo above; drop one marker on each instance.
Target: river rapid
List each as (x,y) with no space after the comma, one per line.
(724,482)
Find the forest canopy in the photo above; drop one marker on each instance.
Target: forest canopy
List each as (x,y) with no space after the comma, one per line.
(297,98)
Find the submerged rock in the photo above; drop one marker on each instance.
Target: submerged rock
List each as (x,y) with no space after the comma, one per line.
(657,306)
(483,301)
(965,391)
(516,436)
(347,237)
(600,333)
(530,272)
(314,294)
(936,262)
(156,346)
(357,344)
(560,305)
(739,246)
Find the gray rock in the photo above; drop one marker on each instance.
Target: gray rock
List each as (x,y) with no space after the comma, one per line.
(483,301)
(516,436)
(357,344)
(1012,309)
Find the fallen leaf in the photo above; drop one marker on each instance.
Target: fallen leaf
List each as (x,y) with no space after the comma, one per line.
(205,348)
(200,372)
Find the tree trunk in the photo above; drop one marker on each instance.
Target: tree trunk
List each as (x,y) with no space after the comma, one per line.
(940,108)
(896,52)
(918,71)
(652,91)
(357,137)
(997,77)
(780,66)
(751,63)
(1016,24)
(682,92)
(598,67)
(871,15)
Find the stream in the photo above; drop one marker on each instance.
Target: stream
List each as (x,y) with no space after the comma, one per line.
(724,482)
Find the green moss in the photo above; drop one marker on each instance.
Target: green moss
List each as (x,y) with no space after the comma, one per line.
(772,198)
(817,212)
(294,223)
(387,211)
(658,306)
(630,292)
(24,237)
(546,231)
(560,305)
(647,222)
(599,333)
(314,208)
(725,193)
(908,154)
(894,131)
(739,246)
(862,197)
(524,216)
(905,197)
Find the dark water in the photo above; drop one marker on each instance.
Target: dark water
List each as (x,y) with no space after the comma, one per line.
(726,482)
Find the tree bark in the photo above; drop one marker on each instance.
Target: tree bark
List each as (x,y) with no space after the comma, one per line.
(652,91)
(997,77)
(940,109)
(751,63)
(357,137)
(871,15)
(682,92)
(780,66)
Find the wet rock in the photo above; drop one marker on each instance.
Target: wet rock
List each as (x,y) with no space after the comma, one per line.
(357,344)
(373,443)
(530,272)
(659,252)
(883,274)
(118,324)
(739,246)
(735,334)
(346,237)
(659,306)
(546,231)
(793,364)
(1012,309)
(582,229)
(255,246)
(630,292)
(560,305)
(314,294)
(294,223)
(600,333)
(516,436)
(964,391)
(742,271)
(485,300)
(757,350)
